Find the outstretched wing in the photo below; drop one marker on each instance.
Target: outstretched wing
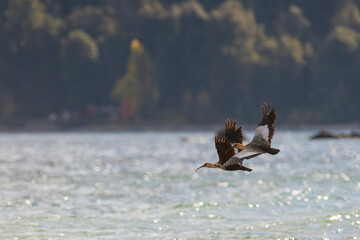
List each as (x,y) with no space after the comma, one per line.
(224,149)
(234,136)
(265,130)
(247,153)
(238,166)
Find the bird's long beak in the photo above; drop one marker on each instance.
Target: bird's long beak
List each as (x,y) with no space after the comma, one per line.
(200,167)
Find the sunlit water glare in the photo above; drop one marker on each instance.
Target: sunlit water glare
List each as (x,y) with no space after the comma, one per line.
(143,186)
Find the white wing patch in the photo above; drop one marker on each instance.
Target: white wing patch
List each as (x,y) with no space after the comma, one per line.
(241,156)
(262,134)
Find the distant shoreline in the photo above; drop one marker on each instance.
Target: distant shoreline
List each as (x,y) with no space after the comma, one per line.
(48,127)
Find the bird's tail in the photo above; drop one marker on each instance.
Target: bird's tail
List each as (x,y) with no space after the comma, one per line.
(243,168)
(270,150)
(273,151)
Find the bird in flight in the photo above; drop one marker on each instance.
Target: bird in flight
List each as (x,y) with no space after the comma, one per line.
(261,143)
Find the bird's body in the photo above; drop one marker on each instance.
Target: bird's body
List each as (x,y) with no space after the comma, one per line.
(261,143)
(225,151)
(234,167)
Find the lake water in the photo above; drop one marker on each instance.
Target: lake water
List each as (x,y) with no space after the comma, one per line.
(143,186)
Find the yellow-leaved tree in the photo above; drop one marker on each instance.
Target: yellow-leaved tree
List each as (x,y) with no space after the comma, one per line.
(136,91)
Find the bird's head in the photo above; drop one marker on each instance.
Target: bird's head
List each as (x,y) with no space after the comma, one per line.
(239,146)
(208,165)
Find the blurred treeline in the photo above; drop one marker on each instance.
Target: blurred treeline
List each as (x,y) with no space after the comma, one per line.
(195,61)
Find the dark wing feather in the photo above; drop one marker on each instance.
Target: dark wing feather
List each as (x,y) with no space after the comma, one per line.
(237,166)
(232,135)
(249,152)
(271,133)
(224,149)
(268,118)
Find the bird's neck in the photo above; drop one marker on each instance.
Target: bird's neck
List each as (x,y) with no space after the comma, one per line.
(212,165)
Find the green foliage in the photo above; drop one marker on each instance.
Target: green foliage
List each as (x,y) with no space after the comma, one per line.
(250,43)
(344,37)
(293,49)
(337,71)
(27,13)
(198,60)
(79,53)
(189,7)
(153,9)
(28,19)
(79,45)
(96,21)
(293,22)
(348,16)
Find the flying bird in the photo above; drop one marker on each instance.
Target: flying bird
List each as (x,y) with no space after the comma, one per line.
(226,150)
(232,135)
(261,143)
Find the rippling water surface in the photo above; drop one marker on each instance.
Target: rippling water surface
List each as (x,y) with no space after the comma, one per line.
(143,186)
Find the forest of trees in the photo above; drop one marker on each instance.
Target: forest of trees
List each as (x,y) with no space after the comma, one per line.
(180,61)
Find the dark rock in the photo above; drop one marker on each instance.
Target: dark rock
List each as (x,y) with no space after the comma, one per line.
(327,134)
(324,134)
